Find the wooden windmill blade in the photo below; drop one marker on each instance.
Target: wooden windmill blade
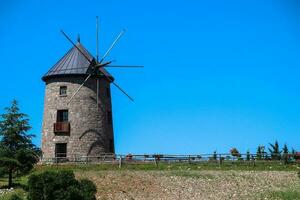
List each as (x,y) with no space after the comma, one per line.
(98,66)
(112,45)
(123,91)
(124,66)
(69,39)
(107,65)
(87,78)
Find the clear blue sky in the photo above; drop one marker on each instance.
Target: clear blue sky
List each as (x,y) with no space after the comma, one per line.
(218,74)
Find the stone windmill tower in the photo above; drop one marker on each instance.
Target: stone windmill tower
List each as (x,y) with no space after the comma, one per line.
(77,119)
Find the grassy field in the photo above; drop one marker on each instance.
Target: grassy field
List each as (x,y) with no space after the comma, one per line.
(183,180)
(236,165)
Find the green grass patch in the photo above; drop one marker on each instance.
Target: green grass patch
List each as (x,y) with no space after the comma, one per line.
(226,165)
(288,194)
(19,182)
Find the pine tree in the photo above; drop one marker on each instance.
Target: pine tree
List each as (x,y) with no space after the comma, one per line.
(285,154)
(248,156)
(274,151)
(17,152)
(259,153)
(293,153)
(214,157)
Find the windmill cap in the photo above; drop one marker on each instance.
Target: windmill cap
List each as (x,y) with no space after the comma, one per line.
(74,63)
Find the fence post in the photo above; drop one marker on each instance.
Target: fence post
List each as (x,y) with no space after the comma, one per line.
(220,160)
(120,162)
(253,160)
(189,159)
(155,159)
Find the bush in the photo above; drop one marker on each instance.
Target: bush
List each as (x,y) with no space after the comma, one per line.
(88,187)
(60,185)
(299,174)
(234,152)
(15,197)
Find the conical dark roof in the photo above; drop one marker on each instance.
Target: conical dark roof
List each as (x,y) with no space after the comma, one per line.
(73,63)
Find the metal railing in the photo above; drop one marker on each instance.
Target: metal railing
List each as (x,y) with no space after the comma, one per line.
(61,127)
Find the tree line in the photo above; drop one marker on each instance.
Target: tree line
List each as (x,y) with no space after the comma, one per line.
(273,152)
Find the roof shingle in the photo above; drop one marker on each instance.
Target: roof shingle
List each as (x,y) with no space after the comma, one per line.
(74,63)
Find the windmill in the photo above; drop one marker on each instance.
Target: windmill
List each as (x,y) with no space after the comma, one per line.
(75,86)
(97,66)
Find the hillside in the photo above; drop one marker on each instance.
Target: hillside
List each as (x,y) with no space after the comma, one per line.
(183,181)
(206,184)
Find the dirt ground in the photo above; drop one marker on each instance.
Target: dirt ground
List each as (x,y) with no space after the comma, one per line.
(186,184)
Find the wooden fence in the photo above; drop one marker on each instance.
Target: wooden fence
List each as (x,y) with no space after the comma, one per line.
(220,159)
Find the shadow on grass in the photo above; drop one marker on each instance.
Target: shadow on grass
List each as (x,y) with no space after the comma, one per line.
(18,183)
(15,186)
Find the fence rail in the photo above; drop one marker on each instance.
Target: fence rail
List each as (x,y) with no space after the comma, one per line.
(171,158)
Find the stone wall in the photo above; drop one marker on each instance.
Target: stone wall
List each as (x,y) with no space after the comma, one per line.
(90,132)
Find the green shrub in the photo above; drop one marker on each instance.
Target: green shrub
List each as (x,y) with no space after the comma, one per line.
(60,185)
(234,152)
(89,189)
(298,174)
(15,197)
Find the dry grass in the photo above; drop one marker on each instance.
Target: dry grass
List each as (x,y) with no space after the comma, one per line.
(185,181)
(189,184)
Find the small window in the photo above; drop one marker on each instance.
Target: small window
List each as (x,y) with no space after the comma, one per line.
(62,116)
(63,90)
(107,92)
(109,117)
(61,150)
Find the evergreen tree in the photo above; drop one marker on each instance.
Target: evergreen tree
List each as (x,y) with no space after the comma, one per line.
(274,151)
(285,154)
(263,152)
(248,156)
(259,154)
(214,155)
(293,153)
(17,152)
